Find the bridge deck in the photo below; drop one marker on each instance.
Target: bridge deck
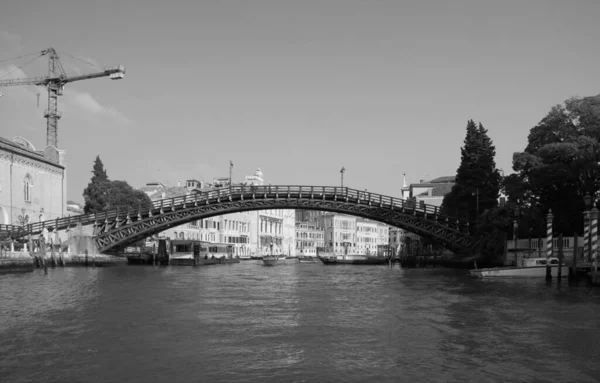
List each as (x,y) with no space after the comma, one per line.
(239,192)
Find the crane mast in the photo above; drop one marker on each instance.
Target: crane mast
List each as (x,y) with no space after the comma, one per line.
(55,82)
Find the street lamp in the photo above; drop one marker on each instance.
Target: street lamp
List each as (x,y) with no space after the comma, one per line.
(342,174)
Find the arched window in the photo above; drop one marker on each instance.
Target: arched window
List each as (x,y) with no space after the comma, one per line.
(27,185)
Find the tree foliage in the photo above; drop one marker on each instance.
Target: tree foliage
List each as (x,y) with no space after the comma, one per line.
(560,164)
(477,184)
(101,194)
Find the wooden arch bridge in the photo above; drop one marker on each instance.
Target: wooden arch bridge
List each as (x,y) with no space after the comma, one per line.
(117,228)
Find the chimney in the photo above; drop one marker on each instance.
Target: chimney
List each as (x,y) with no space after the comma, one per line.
(178,184)
(422,181)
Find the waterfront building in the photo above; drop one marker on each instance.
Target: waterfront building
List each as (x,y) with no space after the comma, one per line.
(432,192)
(250,233)
(366,236)
(289,232)
(269,232)
(33,183)
(311,216)
(74,208)
(340,233)
(308,237)
(396,239)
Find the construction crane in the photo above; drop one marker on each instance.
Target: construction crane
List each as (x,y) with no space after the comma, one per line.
(55,82)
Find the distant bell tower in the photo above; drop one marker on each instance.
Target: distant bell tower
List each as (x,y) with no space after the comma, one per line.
(405,191)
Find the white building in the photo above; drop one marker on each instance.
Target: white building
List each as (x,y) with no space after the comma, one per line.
(250,232)
(33,184)
(340,233)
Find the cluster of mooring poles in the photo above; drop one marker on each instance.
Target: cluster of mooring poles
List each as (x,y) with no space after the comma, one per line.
(590,244)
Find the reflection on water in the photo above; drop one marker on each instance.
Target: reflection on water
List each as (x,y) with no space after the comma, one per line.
(293,323)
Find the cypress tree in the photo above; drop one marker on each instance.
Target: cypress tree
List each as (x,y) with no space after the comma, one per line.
(95,193)
(99,174)
(477,179)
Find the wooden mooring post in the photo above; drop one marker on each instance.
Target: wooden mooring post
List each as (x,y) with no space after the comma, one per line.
(573,268)
(549,244)
(61,256)
(52,258)
(560,256)
(42,244)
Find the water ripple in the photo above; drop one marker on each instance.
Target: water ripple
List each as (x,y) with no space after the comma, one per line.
(293,323)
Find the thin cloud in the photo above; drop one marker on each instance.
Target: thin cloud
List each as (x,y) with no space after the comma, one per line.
(73,100)
(88,104)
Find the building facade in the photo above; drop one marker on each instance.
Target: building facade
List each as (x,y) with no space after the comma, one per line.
(33,184)
(340,233)
(250,233)
(308,237)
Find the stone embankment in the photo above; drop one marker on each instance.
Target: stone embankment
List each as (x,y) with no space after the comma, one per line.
(18,261)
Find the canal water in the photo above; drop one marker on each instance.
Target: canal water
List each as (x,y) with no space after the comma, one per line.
(293,323)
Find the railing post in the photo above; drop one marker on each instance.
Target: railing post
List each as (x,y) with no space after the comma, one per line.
(369,197)
(162,202)
(323,193)
(139,211)
(311,192)
(335,193)
(380,200)
(173,204)
(195,199)
(117,218)
(346,194)
(277,192)
(300,193)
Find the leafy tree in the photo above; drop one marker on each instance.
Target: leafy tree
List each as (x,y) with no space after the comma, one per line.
(493,229)
(101,194)
(477,179)
(559,166)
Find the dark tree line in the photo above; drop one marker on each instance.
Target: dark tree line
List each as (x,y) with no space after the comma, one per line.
(559,166)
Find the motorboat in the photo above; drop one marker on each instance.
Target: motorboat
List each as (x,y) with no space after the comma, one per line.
(531,268)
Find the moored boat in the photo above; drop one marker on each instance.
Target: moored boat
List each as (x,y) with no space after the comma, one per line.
(308,259)
(352,259)
(270,260)
(532,268)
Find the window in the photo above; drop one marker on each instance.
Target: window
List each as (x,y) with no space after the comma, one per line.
(27,185)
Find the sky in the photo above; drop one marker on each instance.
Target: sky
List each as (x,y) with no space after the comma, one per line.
(299,88)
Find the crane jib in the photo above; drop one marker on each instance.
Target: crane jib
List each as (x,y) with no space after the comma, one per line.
(55,80)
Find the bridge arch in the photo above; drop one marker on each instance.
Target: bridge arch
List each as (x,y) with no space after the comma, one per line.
(118,228)
(421,220)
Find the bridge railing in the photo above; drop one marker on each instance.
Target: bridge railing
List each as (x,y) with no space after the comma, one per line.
(300,191)
(239,192)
